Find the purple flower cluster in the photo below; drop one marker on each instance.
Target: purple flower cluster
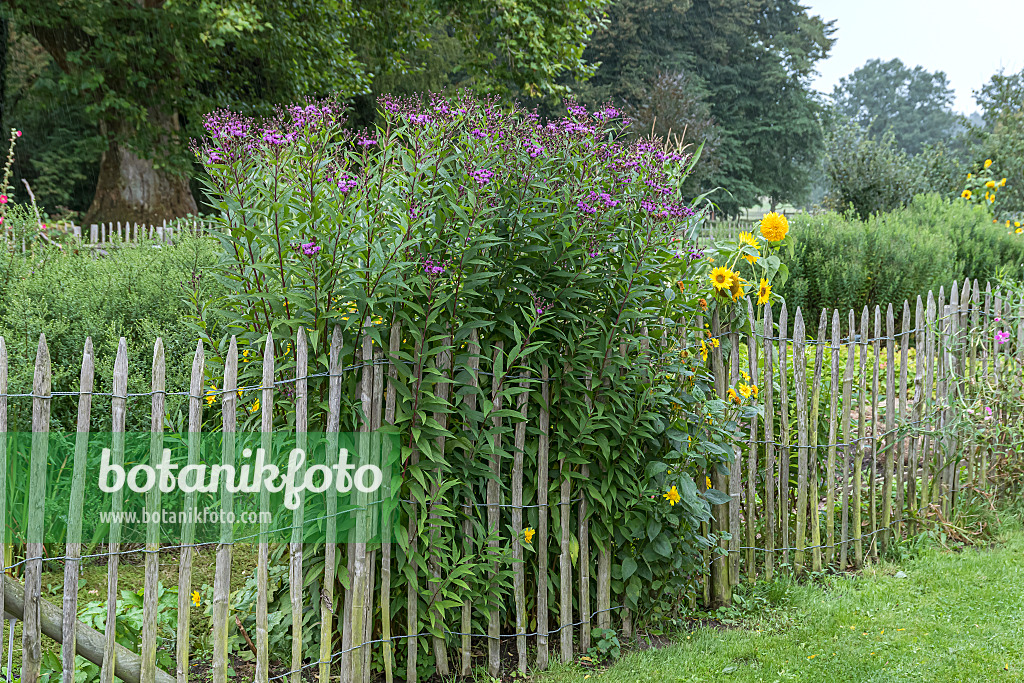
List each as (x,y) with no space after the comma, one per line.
(1002,337)
(273,136)
(435,268)
(586,208)
(366,142)
(535,150)
(226,124)
(346,183)
(660,189)
(313,115)
(541,306)
(310,248)
(482,176)
(603,198)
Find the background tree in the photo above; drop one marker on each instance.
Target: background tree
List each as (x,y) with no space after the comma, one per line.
(757,60)
(673,108)
(751,62)
(146,70)
(639,40)
(915,104)
(866,174)
(1001,137)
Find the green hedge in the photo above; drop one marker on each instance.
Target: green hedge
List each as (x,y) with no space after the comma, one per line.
(843,262)
(139,293)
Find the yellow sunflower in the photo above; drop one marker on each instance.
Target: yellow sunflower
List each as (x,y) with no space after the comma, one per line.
(722,278)
(764,292)
(970,175)
(748,238)
(750,258)
(774,227)
(745,390)
(736,289)
(988,162)
(966,194)
(1002,183)
(990,184)
(1019,230)
(733,396)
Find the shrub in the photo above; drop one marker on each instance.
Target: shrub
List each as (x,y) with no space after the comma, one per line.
(981,247)
(843,262)
(136,293)
(866,174)
(456,218)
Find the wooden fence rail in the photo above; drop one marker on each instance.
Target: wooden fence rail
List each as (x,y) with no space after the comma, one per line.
(873,455)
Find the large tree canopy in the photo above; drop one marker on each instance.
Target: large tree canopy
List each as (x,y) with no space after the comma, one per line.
(750,62)
(146,70)
(915,104)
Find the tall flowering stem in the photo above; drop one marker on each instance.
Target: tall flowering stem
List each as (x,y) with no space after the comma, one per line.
(461,218)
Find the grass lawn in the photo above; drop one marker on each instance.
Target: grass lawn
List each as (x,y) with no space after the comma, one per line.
(955,617)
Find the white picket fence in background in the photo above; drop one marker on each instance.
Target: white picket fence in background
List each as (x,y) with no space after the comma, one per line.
(108,233)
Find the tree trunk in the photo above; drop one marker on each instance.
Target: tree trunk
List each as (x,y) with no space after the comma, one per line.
(134,189)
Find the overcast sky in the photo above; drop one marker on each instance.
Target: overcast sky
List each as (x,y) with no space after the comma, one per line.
(968,41)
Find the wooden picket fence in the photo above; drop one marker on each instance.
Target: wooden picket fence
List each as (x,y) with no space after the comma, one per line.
(891,458)
(100,234)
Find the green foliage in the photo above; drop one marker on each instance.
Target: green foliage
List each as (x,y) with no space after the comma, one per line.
(872,175)
(640,39)
(59,152)
(844,263)
(980,248)
(1002,139)
(137,293)
(606,645)
(847,263)
(865,174)
(750,62)
(756,61)
(128,632)
(914,105)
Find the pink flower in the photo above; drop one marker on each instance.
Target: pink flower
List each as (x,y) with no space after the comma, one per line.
(1002,337)
(18,133)
(3,199)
